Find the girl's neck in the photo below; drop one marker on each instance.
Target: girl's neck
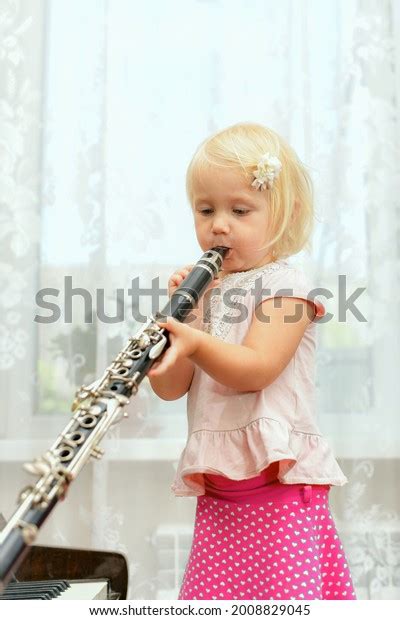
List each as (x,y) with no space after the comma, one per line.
(224,274)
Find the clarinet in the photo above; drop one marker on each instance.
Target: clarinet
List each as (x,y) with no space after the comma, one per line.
(96,408)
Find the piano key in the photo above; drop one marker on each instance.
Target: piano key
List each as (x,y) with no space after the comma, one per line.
(86,590)
(28,589)
(25,597)
(57,589)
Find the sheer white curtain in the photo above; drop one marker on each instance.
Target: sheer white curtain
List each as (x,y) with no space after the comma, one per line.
(102,104)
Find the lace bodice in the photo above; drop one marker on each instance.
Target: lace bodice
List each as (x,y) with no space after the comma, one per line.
(233,288)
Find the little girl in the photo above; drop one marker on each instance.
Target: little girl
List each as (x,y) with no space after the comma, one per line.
(255,457)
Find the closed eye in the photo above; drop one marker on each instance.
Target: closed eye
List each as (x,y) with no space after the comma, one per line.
(237,211)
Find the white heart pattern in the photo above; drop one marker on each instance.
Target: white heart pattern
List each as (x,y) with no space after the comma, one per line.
(297,559)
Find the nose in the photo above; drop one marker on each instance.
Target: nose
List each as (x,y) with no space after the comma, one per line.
(220,223)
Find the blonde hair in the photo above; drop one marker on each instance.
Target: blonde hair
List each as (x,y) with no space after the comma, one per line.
(290,201)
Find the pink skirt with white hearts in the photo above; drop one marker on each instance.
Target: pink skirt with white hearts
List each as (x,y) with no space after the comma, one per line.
(282,546)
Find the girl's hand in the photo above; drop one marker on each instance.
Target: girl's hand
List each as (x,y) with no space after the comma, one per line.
(184,341)
(176,280)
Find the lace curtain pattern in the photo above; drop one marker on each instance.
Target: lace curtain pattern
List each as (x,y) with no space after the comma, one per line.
(102,104)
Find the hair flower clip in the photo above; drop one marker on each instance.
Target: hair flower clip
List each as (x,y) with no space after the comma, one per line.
(268,169)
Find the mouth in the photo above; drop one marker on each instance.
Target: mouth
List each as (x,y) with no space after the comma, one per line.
(229,252)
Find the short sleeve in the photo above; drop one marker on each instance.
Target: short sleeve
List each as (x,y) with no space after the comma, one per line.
(288,281)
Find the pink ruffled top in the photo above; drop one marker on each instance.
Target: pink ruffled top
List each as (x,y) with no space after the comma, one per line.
(238,435)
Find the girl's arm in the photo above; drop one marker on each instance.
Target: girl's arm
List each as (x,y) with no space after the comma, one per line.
(174,383)
(269,346)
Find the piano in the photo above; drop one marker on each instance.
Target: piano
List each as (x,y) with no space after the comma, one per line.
(67,573)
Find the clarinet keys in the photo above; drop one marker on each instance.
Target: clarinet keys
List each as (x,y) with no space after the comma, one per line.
(158,348)
(97,452)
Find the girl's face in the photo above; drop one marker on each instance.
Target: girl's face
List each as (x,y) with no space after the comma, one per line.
(228,211)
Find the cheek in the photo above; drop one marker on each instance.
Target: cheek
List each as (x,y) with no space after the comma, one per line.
(199,229)
(201,238)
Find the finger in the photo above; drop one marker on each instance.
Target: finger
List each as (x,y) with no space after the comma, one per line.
(155,366)
(165,324)
(166,319)
(179,276)
(173,327)
(175,281)
(154,372)
(167,362)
